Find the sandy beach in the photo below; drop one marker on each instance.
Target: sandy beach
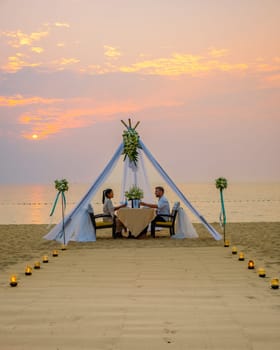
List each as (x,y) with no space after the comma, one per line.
(22,243)
(141,294)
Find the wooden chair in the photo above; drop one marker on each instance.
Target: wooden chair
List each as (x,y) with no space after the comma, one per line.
(170,223)
(98,224)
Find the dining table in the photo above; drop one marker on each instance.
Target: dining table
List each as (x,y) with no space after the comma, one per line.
(136,219)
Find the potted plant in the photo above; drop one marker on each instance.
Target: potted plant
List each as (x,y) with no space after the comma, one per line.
(135,194)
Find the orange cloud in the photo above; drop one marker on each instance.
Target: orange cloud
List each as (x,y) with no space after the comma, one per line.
(97,69)
(275,77)
(111,52)
(37,49)
(180,64)
(60,24)
(227,67)
(17,38)
(267,67)
(272,81)
(52,121)
(49,121)
(65,61)
(17,62)
(268,73)
(56,24)
(218,52)
(18,100)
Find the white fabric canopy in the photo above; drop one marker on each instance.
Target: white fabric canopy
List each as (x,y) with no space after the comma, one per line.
(136,175)
(183,226)
(77,226)
(172,185)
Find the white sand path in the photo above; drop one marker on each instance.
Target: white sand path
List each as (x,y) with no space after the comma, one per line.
(147,298)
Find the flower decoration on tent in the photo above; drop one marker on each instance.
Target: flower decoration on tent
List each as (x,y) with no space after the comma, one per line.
(61,185)
(134,193)
(131,142)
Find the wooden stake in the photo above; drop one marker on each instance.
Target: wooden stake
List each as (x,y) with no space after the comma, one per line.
(124,124)
(136,125)
(129,126)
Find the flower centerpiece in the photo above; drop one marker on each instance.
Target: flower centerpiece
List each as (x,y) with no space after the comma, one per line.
(135,194)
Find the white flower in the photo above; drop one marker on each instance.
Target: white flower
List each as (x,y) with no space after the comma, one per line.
(61,185)
(134,193)
(131,144)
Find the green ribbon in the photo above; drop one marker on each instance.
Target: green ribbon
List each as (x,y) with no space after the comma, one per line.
(223,212)
(56,199)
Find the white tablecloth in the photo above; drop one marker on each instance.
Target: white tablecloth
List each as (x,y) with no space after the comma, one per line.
(136,219)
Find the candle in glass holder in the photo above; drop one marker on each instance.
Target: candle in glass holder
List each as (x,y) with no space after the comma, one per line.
(251,265)
(55,253)
(45,259)
(241,256)
(261,272)
(13,281)
(234,250)
(274,283)
(28,270)
(63,247)
(226,244)
(37,265)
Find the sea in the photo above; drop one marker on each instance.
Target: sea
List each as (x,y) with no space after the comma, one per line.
(244,202)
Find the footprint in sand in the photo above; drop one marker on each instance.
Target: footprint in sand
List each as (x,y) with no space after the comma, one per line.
(168,339)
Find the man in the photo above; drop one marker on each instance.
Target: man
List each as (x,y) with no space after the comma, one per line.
(162,207)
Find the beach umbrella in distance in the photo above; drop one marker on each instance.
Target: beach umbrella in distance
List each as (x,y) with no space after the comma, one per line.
(221,184)
(61,186)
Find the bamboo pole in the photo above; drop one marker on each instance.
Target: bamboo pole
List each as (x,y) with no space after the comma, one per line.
(63,226)
(223,213)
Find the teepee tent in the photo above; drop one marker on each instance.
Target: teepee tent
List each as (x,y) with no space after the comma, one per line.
(77,225)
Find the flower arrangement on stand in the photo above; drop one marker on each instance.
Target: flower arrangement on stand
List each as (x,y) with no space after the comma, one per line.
(221,184)
(61,186)
(135,194)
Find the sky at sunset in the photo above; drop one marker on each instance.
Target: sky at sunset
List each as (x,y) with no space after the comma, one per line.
(201,76)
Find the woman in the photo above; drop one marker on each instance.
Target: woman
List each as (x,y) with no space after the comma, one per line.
(109,209)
